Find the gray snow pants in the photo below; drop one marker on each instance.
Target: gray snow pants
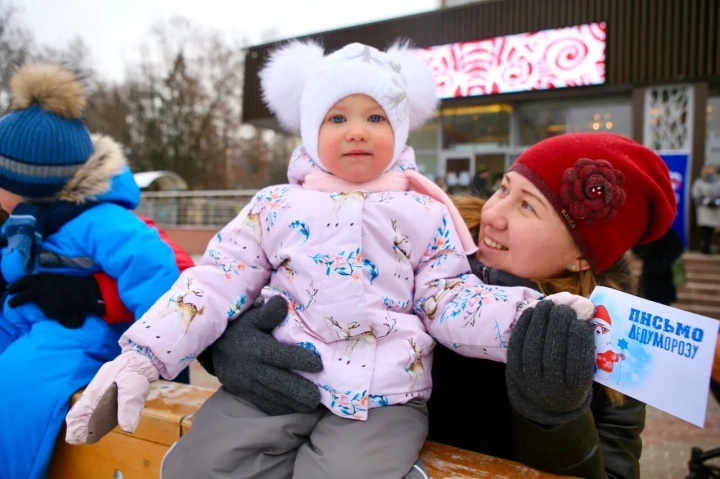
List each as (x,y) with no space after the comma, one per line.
(230,438)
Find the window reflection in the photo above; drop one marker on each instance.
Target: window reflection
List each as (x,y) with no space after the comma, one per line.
(494,134)
(473,127)
(540,120)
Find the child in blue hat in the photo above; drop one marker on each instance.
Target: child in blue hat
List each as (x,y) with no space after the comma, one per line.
(70,197)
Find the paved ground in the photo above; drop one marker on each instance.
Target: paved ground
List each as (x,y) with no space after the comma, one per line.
(666,441)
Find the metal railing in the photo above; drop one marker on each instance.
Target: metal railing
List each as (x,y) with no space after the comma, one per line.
(195,208)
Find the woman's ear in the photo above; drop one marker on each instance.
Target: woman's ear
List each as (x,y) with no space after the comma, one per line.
(582,263)
(579,264)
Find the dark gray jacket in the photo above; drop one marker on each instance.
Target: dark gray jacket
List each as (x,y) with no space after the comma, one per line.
(604,442)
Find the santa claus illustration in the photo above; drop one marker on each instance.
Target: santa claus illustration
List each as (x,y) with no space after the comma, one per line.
(605,356)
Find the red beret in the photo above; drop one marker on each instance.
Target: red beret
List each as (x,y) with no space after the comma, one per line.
(611,192)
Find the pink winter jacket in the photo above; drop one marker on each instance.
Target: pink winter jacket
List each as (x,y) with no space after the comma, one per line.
(370,277)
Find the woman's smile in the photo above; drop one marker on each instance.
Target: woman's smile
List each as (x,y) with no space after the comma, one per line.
(494,244)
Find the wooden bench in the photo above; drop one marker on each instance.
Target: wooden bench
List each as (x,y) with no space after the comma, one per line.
(168,414)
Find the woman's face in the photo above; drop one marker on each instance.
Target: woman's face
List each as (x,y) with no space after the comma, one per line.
(522,234)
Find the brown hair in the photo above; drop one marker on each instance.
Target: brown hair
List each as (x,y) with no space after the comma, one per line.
(617,276)
(470,208)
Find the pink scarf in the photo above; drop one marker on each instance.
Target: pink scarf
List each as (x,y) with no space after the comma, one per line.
(408,180)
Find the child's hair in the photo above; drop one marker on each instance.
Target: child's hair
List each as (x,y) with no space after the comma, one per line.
(617,276)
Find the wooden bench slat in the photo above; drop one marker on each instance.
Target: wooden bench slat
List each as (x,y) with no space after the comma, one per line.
(168,414)
(117,455)
(447,462)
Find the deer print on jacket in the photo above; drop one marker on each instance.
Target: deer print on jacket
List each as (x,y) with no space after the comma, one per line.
(186,311)
(400,248)
(415,367)
(345,333)
(429,306)
(339,200)
(252,223)
(369,337)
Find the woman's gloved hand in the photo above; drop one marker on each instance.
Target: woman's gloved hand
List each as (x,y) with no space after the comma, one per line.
(550,364)
(66,298)
(252,364)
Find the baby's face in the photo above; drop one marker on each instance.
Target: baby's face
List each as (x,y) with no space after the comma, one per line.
(356,141)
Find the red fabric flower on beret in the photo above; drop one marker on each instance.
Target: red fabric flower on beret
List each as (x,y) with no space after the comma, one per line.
(592,190)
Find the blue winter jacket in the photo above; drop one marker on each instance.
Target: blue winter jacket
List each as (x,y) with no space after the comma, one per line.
(108,237)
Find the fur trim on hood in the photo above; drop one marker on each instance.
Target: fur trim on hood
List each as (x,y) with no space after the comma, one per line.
(94,177)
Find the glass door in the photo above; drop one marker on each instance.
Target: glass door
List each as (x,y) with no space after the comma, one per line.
(456,168)
(489,170)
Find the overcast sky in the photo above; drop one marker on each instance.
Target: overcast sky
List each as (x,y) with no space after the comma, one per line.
(113,29)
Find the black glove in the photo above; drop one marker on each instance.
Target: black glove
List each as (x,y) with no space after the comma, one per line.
(66,298)
(252,364)
(550,364)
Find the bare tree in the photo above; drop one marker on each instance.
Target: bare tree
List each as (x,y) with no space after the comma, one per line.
(19,46)
(16,44)
(74,56)
(108,112)
(183,104)
(179,109)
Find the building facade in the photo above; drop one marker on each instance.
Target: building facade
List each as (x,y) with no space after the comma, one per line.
(516,76)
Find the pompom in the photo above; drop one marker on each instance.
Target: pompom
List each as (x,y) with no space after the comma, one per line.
(283,79)
(50,87)
(421,87)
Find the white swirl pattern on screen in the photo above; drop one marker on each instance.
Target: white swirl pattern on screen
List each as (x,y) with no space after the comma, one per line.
(558,58)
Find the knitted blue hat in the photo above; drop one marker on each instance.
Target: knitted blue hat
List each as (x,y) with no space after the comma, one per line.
(43,142)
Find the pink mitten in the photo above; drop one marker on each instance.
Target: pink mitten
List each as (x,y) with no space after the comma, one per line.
(582,306)
(116,395)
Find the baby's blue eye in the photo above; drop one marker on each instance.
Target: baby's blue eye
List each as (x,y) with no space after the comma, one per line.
(376,118)
(337,118)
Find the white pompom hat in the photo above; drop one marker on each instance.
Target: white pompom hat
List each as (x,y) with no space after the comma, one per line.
(300,84)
